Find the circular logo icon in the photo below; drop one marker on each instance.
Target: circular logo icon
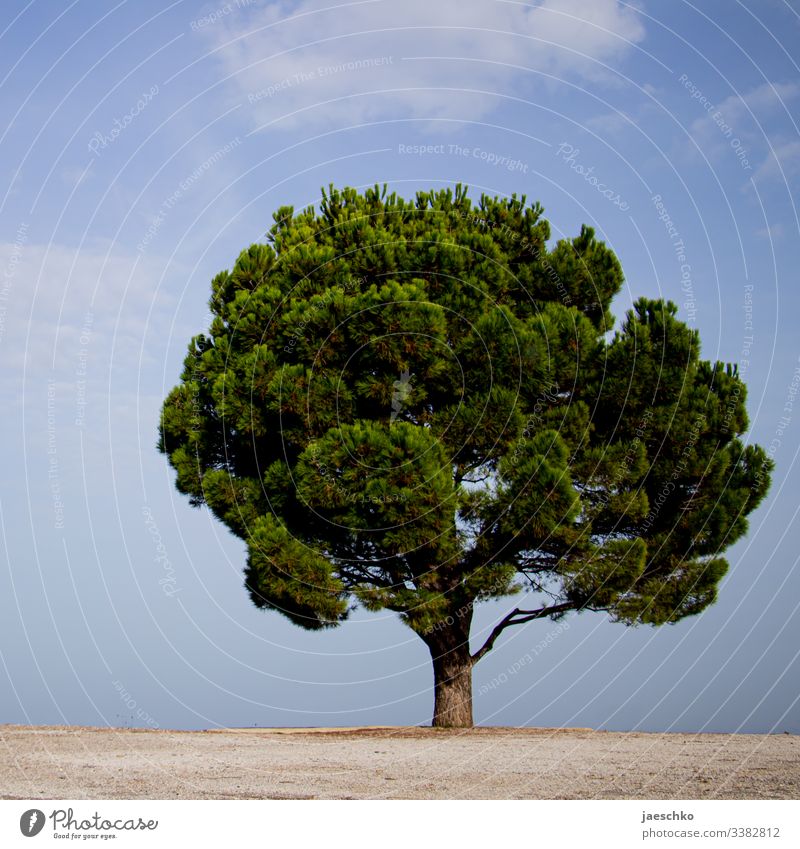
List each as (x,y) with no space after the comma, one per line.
(31,822)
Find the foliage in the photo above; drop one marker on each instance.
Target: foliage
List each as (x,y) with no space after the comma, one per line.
(418,405)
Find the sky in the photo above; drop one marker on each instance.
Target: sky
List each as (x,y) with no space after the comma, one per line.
(145,144)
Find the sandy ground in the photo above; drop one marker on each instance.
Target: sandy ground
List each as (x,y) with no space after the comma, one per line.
(405,763)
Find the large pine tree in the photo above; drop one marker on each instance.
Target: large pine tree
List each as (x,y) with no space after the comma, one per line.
(418,406)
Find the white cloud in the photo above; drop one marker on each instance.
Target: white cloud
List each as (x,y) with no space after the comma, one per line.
(741,111)
(762,101)
(783,161)
(748,120)
(614,124)
(57,300)
(772,233)
(312,63)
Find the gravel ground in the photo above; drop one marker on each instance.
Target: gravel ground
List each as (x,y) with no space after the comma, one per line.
(399,763)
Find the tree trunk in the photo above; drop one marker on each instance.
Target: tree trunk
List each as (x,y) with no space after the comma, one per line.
(452,675)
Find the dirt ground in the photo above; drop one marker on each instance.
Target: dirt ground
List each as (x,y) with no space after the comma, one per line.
(398,763)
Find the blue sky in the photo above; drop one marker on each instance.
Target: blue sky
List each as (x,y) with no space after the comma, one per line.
(146,144)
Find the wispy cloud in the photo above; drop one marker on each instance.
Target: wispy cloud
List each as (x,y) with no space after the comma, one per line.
(52,293)
(782,162)
(744,112)
(311,62)
(763,100)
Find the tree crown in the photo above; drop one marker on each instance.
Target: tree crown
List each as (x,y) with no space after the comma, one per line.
(416,405)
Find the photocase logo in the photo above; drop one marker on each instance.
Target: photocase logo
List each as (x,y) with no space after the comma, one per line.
(31,822)
(65,822)
(402,389)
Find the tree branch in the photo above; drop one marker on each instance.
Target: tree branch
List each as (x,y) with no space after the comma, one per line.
(519,617)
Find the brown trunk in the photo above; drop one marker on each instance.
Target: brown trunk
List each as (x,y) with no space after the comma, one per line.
(452,674)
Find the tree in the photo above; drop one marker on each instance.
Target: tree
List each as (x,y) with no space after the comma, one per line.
(418,406)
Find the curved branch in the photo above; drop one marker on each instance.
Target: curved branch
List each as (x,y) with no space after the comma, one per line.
(519,617)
